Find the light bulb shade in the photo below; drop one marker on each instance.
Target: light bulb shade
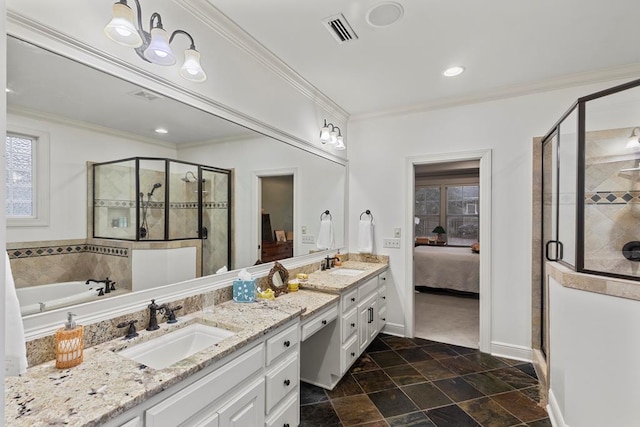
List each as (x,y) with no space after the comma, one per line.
(333,137)
(325,135)
(159,51)
(191,69)
(121,29)
(340,143)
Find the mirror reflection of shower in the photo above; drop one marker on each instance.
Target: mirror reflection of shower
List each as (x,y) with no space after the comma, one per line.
(187,179)
(144,226)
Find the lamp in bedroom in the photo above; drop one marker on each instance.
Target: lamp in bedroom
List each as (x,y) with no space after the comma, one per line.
(441,232)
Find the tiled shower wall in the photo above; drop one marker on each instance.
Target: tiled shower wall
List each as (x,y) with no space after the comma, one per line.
(612,201)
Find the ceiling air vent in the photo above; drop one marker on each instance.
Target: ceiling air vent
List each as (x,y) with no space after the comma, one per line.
(340,28)
(146,95)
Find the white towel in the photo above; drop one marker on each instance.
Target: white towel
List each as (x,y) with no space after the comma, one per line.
(365,236)
(15,351)
(325,235)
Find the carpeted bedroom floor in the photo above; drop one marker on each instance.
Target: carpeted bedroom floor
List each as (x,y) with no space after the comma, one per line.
(447,318)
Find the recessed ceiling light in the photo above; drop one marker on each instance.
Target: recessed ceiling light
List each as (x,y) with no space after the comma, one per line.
(384,14)
(453,71)
(162,130)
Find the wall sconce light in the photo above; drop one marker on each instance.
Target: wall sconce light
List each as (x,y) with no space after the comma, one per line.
(152,46)
(634,138)
(331,134)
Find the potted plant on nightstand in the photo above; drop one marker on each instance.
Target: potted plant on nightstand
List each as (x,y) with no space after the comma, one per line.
(442,238)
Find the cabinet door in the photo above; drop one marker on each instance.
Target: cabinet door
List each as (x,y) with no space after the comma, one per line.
(246,409)
(363,323)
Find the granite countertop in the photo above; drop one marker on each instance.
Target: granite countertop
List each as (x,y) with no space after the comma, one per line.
(107,384)
(329,281)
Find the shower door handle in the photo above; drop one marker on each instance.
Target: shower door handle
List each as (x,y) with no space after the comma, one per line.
(559,250)
(205,233)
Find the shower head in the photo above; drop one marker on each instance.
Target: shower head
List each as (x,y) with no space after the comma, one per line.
(156,185)
(187,179)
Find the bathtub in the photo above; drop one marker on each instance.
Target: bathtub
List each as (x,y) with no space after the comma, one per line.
(35,299)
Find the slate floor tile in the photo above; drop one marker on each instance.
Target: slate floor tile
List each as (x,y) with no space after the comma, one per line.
(451,416)
(354,410)
(515,377)
(487,383)
(319,414)
(520,405)
(377,345)
(426,395)
(312,394)
(392,402)
(414,419)
(413,354)
(461,366)
(364,363)
(404,374)
(458,389)
(372,381)
(347,386)
(387,358)
(433,370)
(439,351)
(488,413)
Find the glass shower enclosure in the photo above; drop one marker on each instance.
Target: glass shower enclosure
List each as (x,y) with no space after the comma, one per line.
(591,185)
(160,200)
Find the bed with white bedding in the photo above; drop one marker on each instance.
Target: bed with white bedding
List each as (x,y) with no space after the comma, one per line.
(447,268)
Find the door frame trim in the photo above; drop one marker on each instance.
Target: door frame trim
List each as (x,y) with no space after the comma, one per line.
(484,156)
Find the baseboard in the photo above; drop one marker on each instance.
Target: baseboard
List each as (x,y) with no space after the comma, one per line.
(510,351)
(555,415)
(393,329)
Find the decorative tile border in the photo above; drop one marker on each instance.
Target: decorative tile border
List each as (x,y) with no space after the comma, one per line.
(40,251)
(612,197)
(130,204)
(216,205)
(104,203)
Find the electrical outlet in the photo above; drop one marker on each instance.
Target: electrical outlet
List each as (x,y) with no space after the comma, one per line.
(308,238)
(396,232)
(304,229)
(391,243)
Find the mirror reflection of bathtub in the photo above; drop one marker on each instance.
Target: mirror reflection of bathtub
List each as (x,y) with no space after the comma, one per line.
(36,299)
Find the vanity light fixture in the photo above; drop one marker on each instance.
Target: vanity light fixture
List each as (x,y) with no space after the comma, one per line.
(153,45)
(634,138)
(331,134)
(453,71)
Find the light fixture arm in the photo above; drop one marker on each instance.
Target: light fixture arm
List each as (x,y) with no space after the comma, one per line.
(159,20)
(193,45)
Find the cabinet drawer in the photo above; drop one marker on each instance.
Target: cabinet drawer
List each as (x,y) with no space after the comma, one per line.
(382,317)
(349,353)
(349,300)
(198,395)
(282,342)
(349,324)
(287,414)
(366,288)
(282,379)
(382,295)
(313,325)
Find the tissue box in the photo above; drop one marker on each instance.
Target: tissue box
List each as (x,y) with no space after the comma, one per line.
(244,290)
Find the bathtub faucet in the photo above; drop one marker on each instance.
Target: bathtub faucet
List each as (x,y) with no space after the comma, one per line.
(108,285)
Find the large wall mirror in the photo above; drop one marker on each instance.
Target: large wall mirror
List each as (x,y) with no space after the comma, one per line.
(89,116)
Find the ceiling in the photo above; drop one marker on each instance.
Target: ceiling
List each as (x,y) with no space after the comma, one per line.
(508,47)
(43,82)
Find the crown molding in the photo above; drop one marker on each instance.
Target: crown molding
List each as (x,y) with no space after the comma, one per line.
(211,16)
(631,71)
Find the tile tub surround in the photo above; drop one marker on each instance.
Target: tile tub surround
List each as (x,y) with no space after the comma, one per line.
(416,382)
(107,384)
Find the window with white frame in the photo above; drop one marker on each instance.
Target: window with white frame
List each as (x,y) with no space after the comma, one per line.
(27,178)
(453,206)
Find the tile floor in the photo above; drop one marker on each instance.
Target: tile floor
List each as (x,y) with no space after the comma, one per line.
(417,382)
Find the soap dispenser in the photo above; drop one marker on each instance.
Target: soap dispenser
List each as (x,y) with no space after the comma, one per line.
(69,344)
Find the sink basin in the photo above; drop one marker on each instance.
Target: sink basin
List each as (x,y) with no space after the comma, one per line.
(170,348)
(347,272)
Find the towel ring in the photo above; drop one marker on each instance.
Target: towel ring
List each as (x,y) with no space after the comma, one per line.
(367,212)
(325,213)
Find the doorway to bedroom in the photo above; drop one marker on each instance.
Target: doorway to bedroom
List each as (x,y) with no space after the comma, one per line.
(446,261)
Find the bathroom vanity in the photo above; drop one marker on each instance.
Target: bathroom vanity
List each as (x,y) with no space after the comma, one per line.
(250,378)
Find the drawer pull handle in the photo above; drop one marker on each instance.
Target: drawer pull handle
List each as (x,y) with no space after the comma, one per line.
(285,425)
(353,325)
(287,343)
(384,297)
(353,299)
(384,278)
(324,322)
(353,354)
(287,382)
(384,319)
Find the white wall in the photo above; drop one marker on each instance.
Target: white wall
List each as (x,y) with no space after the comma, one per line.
(594,353)
(377,155)
(71,148)
(318,185)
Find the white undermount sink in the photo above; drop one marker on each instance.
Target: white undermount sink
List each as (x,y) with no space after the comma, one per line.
(170,348)
(347,272)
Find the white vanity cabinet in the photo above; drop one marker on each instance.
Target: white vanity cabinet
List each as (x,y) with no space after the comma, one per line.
(328,354)
(256,386)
